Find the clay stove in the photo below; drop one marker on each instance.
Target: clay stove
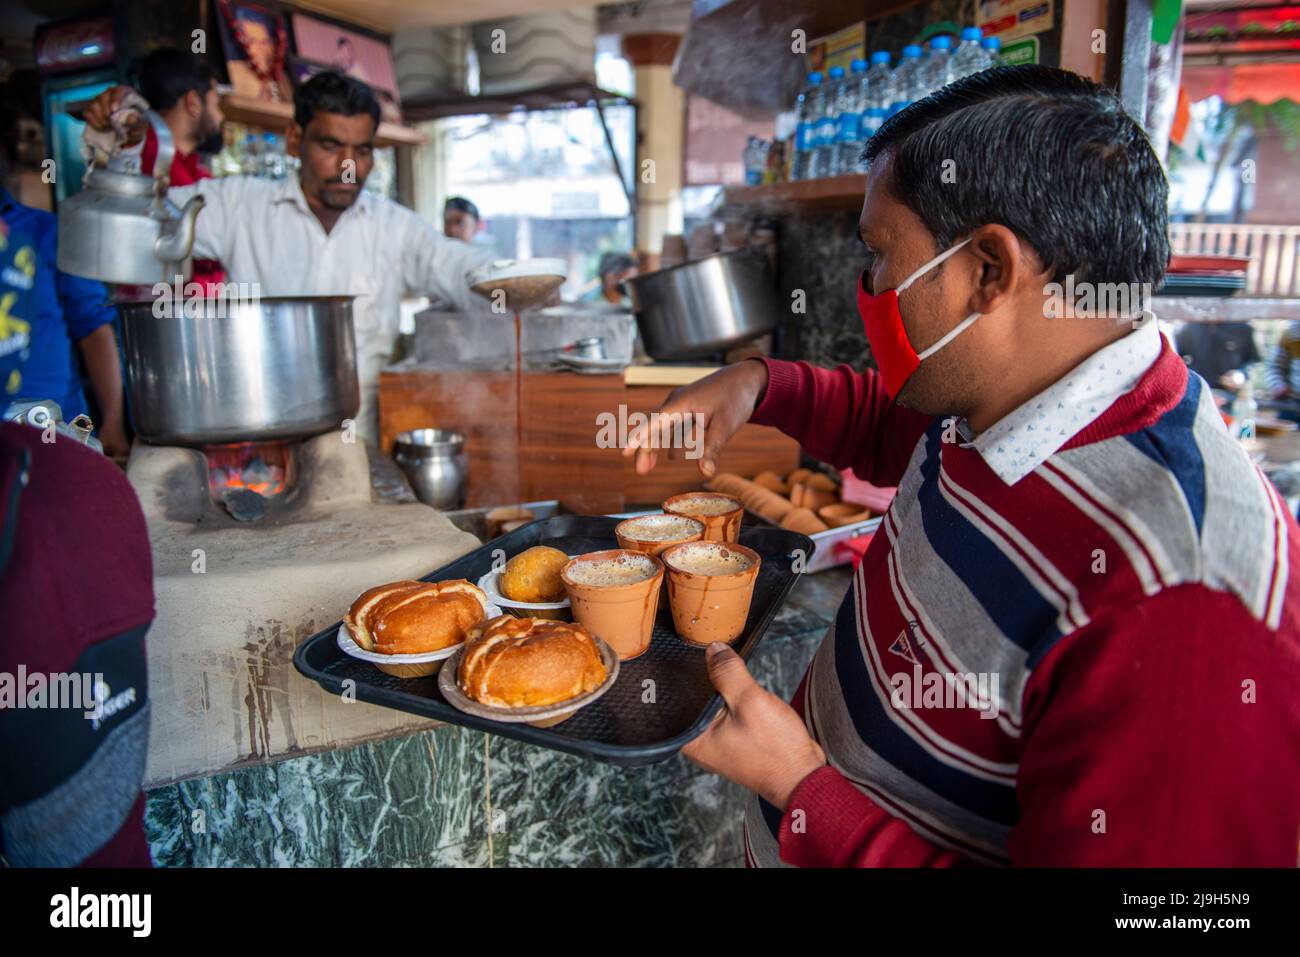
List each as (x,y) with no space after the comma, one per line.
(257,546)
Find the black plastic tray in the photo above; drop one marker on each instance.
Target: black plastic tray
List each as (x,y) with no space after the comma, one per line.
(619,727)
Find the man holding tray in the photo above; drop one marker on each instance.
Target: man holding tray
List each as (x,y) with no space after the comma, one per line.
(1086,576)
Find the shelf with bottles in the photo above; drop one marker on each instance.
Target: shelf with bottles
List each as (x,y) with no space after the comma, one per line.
(839,111)
(249,151)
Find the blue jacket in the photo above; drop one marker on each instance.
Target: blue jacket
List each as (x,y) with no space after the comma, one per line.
(66,310)
(17,281)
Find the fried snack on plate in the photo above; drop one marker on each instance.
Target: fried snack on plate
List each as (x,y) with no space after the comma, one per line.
(534,575)
(412,617)
(525,662)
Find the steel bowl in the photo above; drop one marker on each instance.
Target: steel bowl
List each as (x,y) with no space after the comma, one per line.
(210,371)
(705,306)
(434,462)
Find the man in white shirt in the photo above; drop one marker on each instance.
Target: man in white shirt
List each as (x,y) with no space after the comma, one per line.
(321,233)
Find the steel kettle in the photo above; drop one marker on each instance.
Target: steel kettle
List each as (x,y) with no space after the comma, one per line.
(122,228)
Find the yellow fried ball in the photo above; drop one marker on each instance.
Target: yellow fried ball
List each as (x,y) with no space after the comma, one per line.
(534,575)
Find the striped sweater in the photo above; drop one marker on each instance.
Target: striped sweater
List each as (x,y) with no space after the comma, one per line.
(1095,664)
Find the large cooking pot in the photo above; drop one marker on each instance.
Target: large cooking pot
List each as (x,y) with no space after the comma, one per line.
(211,371)
(705,306)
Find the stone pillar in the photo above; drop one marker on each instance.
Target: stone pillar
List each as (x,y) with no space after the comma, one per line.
(661,127)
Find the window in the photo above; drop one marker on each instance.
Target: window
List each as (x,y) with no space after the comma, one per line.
(544,181)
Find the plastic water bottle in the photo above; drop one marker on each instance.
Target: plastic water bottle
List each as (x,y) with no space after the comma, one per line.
(250,161)
(824,138)
(1244,412)
(273,166)
(879,89)
(850,103)
(905,78)
(752,160)
(992,48)
(936,70)
(805,123)
(969,57)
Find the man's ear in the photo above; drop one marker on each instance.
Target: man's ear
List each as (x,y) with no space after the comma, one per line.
(999,253)
(193,104)
(293,140)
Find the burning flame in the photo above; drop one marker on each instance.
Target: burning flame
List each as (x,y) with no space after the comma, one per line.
(261,467)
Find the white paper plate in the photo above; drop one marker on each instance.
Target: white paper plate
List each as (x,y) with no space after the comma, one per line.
(502,269)
(350,647)
(585,364)
(491,585)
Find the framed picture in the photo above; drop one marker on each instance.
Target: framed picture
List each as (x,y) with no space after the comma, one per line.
(303,70)
(338,48)
(256,45)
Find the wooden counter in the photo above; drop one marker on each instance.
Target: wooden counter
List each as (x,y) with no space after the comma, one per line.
(555,455)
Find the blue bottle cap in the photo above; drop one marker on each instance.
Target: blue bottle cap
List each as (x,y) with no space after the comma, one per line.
(880,56)
(941,43)
(911,50)
(814,77)
(991,43)
(972,33)
(837,73)
(858,65)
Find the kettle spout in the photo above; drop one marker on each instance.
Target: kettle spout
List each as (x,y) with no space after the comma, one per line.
(175,243)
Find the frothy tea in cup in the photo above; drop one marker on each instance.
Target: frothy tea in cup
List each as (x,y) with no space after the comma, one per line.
(611,572)
(704,505)
(660,528)
(702,558)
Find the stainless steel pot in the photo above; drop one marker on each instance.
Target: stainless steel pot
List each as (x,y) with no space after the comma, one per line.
(210,371)
(435,463)
(705,306)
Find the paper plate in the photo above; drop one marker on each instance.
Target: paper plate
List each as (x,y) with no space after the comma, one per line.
(584,364)
(502,269)
(542,716)
(491,585)
(349,647)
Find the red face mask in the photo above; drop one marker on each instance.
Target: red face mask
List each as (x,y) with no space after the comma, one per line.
(883,320)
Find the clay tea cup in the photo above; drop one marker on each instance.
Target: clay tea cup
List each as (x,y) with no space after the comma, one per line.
(710,587)
(614,594)
(720,513)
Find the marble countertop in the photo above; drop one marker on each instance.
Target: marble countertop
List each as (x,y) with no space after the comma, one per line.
(454,796)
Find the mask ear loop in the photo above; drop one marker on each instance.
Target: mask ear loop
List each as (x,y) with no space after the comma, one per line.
(956,330)
(931,264)
(951,335)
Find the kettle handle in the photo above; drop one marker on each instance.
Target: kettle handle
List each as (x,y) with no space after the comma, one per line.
(162,165)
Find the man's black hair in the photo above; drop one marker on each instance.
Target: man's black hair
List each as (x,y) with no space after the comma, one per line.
(459,204)
(333,92)
(614,263)
(1046,153)
(164,76)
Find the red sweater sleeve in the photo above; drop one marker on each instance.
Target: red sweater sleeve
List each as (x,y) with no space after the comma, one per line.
(841,417)
(1151,724)
(1138,733)
(830,823)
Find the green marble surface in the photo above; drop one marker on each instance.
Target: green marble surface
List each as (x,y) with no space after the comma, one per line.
(453,796)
